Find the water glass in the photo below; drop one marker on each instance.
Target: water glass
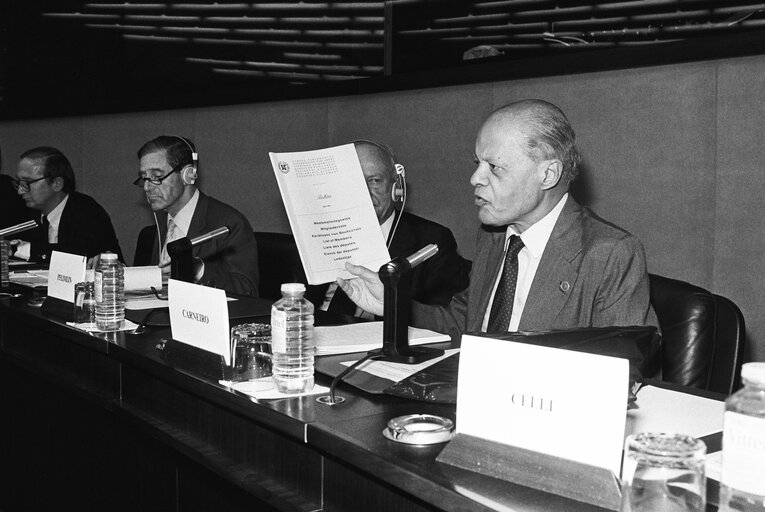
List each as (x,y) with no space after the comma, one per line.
(663,473)
(85,303)
(250,352)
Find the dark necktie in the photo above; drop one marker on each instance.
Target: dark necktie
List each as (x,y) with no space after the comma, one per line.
(502,307)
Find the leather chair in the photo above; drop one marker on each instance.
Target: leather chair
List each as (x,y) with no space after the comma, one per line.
(703,333)
(144,246)
(278,262)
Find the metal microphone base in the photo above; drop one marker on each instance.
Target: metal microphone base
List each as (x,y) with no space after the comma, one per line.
(414,355)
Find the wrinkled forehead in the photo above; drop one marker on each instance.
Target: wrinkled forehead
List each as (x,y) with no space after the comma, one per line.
(374,160)
(154,161)
(499,132)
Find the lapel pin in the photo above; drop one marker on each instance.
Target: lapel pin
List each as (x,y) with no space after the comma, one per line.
(564,286)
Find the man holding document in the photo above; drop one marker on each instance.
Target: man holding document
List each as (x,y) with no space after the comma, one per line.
(542,260)
(434,281)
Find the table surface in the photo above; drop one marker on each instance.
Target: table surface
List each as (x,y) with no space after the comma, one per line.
(349,433)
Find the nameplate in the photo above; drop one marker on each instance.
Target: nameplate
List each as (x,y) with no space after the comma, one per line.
(558,402)
(199,317)
(65,271)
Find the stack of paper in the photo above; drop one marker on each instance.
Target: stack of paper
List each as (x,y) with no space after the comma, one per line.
(30,278)
(362,337)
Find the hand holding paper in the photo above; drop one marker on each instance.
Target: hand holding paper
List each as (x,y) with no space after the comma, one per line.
(367,291)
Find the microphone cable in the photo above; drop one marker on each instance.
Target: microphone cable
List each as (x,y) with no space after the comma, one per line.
(332,400)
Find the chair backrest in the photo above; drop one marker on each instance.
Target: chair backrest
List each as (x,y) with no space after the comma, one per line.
(703,333)
(278,262)
(144,246)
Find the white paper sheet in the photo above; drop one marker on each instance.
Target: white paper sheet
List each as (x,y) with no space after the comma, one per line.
(143,278)
(30,278)
(397,372)
(199,317)
(330,211)
(658,409)
(559,402)
(364,336)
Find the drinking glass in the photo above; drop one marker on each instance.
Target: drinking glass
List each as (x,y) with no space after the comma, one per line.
(250,352)
(663,472)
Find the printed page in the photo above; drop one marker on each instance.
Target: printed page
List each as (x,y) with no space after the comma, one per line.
(330,211)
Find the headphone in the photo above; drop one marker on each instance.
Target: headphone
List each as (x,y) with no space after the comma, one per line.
(189,175)
(398,190)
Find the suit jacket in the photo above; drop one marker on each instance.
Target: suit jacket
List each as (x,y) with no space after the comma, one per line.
(85,229)
(592,274)
(434,281)
(231,260)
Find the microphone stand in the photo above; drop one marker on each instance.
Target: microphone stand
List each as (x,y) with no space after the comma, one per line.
(395,278)
(181,259)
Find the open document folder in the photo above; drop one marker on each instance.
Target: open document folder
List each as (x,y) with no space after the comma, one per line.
(363,337)
(330,211)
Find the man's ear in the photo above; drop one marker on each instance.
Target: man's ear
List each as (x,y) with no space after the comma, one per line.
(57,184)
(552,174)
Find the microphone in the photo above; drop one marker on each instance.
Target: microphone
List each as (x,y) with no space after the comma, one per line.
(181,259)
(395,279)
(18,228)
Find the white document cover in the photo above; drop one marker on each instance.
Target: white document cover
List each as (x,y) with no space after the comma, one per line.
(330,211)
(560,402)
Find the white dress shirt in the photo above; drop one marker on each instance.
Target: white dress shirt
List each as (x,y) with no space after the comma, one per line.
(534,242)
(24,248)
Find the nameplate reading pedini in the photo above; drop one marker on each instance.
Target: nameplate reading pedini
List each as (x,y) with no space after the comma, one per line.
(199,317)
(65,270)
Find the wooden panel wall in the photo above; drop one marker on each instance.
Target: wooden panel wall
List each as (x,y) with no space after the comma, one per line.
(672,153)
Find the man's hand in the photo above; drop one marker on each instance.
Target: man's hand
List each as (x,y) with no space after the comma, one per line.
(367,291)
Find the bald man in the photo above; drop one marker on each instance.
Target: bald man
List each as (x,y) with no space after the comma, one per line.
(433,282)
(568,267)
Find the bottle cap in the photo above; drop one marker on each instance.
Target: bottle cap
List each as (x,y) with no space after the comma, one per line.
(754,372)
(292,287)
(108,256)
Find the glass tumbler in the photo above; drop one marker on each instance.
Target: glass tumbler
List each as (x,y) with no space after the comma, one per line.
(663,473)
(250,352)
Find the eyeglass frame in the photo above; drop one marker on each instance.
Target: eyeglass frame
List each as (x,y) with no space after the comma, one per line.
(141,180)
(17,183)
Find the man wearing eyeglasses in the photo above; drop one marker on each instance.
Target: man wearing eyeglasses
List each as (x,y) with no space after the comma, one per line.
(70,221)
(168,174)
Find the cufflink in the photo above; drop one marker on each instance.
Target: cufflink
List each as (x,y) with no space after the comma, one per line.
(564,286)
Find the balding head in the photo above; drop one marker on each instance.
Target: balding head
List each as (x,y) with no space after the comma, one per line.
(380,174)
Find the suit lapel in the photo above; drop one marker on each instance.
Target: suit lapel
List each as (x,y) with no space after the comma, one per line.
(556,274)
(490,258)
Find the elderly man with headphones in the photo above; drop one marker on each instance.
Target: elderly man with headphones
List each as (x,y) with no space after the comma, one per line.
(432,282)
(167,175)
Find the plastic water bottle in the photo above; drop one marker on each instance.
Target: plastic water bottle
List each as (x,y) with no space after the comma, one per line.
(742,486)
(109,285)
(292,344)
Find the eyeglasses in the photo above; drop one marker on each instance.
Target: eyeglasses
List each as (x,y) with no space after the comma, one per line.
(157,181)
(23,185)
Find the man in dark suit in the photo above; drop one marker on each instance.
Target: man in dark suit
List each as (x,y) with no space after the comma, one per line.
(69,221)
(167,175)
(434,281)
(543,261)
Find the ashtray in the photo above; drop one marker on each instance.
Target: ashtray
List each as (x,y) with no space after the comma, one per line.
(420,429)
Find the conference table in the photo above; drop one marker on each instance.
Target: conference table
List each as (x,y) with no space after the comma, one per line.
(102,421)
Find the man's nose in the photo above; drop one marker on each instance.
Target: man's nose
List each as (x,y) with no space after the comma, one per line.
(479,176)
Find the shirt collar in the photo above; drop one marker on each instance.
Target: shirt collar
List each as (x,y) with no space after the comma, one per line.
(387,225)
(535,237)
(54,216)
(183,218)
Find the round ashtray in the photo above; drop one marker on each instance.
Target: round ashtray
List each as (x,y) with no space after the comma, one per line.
(420,429)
